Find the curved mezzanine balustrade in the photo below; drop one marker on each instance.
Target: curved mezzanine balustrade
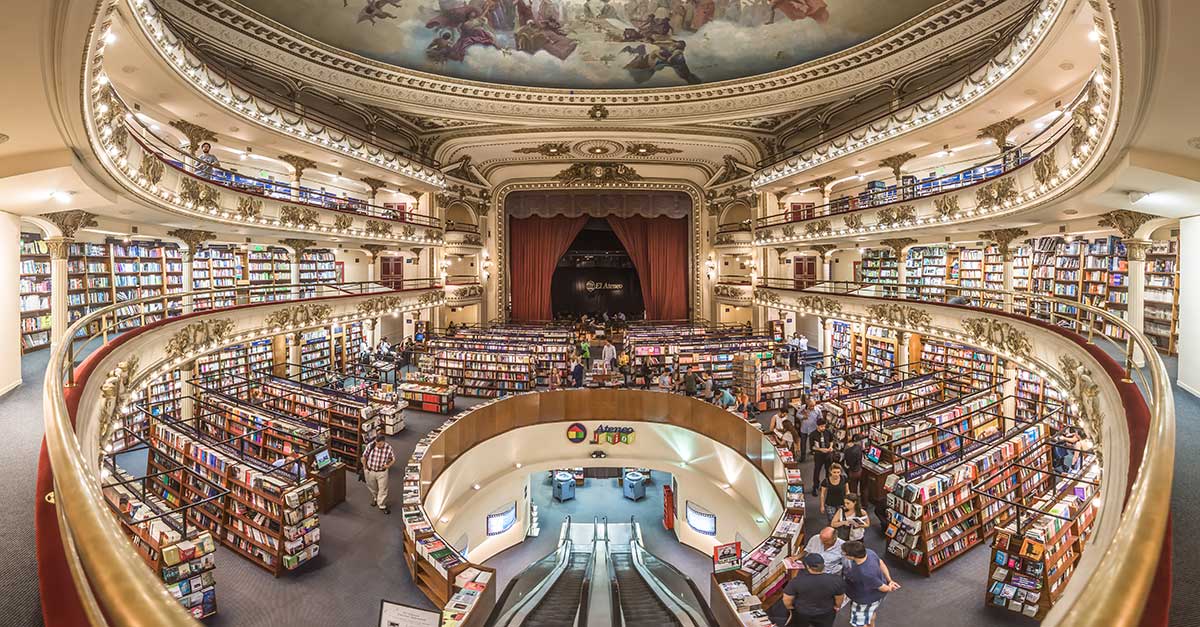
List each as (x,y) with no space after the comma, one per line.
(163,175)
(90,378)
(1019,177)
(268,112)
(935,107)
(1120,406)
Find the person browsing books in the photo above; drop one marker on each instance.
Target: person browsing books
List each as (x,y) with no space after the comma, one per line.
(813,596)
(376,460)
(808,416)
(829,546)
(868,581)
(833,491)
(851,520)
(821,441)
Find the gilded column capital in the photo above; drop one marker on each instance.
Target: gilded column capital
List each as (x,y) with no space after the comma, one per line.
(298,245)
(69,222)
(1002,238)
(300,164)
(998,131)
(1136,249)
(1126,222)
(374,183)
(194,133)
(895,162)
(193,238)
(59,246)
(374,249)
(898,245)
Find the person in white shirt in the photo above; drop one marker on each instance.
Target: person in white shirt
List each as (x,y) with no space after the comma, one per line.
(794,350)
(609,355)
(803,340)
(384,347)
(828,545)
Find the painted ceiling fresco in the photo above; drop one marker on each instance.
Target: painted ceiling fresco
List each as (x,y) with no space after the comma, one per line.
(592,44)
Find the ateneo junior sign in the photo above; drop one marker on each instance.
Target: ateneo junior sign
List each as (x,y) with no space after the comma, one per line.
(604,434)
(595,286)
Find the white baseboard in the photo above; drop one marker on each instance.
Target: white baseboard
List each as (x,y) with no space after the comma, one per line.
(16,384)
(1188,388)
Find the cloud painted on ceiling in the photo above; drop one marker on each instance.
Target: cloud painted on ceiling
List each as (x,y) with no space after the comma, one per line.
(592,44)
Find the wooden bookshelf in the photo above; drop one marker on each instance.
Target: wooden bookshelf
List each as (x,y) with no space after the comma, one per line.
(1161,317)
(485,374)
(979,369)
(213,268)
(34,296)
(428,392)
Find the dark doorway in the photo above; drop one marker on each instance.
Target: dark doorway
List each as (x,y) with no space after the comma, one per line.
(596,275)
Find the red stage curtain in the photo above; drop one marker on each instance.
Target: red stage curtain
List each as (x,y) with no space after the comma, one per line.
(659,250)
(535,246)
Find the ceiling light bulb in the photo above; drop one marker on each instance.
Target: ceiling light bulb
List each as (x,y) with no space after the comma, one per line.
(476,487)
(1094,35)
(62,197)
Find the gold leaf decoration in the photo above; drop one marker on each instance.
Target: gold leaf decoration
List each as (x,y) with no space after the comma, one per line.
(990,332)
(249,207)
(298,316)
(197,335)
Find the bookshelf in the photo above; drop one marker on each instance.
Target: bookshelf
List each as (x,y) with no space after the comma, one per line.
(1105,276)
(979,369)
(937,516)
(317,266)
(34,293)
(428,392)
(880,266)
(267,266)
(1161,317)
(214,268)
(152,517)
(483,373)
(351,419)
(1034,556)
(316,351)
(90,282)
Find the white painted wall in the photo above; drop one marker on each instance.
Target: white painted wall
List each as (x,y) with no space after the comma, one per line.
(355,263)
(1189,304)
(842,264)
(702,467)
(10,306)
(461,315)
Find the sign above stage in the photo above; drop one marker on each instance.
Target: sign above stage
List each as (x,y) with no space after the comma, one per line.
(594,286)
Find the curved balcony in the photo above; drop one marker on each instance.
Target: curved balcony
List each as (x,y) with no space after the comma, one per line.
(1129,410)
(248,102)
(934,107)
(736,293)
(1044,167)
(163,175)
(463,290)
(462,238)
(733,237)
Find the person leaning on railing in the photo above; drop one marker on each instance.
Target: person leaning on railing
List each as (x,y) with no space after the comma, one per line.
(206,161)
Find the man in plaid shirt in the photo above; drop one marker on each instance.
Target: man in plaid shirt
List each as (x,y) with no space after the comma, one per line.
(376,461)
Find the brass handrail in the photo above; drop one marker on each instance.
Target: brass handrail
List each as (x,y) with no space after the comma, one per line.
(113,583)
(1115,591)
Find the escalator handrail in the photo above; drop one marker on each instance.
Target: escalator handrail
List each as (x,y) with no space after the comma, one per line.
(637,548)
(564,550)
(585,588)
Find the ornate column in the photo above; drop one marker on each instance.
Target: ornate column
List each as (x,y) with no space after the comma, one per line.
(1002,239)
(998,132)
(192,239)
(826,336)
(826,265)
(293,354)
(896,162)
(375,185)
(299,165)
(1127,223)
(68,222)
(902,340)
(371,331)
(823,185)
(195,134)
(900,246)
(298,246)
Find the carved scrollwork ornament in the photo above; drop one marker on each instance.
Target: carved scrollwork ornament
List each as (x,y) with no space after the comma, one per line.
(197,335)
(998,334)
(59,247)
(380,305)
(1135,250)
(408,230)
(249,208)
(729,291)
(195,134)
(766,296)
(946,205)
(902,316)
(1126,222)
(298,316)
(299,216)
(789,230)
(199,195)
(819,304)
(898,244)
(818,227)
(597,173)
(341,222)
(1045,168)
(466,292)
(824,249)
(114,394)
(897,215)
(379,228)
(298,245)
(374,249)
(996,194)
(69,222)
(853,221)
(150,170)
(1085,393)
(193,239)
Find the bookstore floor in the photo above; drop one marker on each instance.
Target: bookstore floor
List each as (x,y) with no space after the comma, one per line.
(367,544)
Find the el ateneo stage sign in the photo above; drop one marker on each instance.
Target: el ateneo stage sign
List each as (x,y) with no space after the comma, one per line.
(601,286)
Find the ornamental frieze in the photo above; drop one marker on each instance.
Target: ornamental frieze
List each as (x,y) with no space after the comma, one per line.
(899,315)
(379,228)
(946,205)
(303,315)
(150,169)
(249,207)
(897,215)
(998,334)
(853,221)
(819,304)
(341,222)
(466,292)
(994,195)
(196,336)
(115,393)
(598,173)
(199,195)
(299,216)
(1085,392)
(736,292)
(818,227)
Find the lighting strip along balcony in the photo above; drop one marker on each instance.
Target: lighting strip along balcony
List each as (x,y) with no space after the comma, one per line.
(246,105)
(1072,152)
(949,101)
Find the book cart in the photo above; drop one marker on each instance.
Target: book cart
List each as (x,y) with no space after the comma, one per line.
(158,516)
(1034,555)
(270,516)
(428,392)
(466,592)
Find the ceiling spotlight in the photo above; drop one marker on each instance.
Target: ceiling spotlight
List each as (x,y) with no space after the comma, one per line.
(62,197)
(1094,35)
(1136,197)
(476,487)
(110,37)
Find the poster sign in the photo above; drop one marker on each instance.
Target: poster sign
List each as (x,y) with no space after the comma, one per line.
(400,615)
(605,434)
(727,557)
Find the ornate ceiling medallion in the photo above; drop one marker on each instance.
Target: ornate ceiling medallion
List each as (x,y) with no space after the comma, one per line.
(649,150)
(548,149)
(598,148)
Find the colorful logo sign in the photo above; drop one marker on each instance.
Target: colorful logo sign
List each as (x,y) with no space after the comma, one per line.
(612,435)
(576,433)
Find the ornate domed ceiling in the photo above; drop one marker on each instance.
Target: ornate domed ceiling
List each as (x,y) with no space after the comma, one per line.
(592,44)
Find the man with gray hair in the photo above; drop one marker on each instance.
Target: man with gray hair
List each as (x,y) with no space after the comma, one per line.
(828,545)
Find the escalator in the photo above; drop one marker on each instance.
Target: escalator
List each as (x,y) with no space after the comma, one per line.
(561,603)
(640,606)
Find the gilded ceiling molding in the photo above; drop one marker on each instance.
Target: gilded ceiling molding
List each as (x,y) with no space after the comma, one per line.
(375,250)
(895,162)
(547,149)
(197,336)
(69,222)
(923,37)
(195,134)
(599,173)
(646,149)
(998,131)
(375,184)
(193,239)
(1002,239)
(1126,222)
